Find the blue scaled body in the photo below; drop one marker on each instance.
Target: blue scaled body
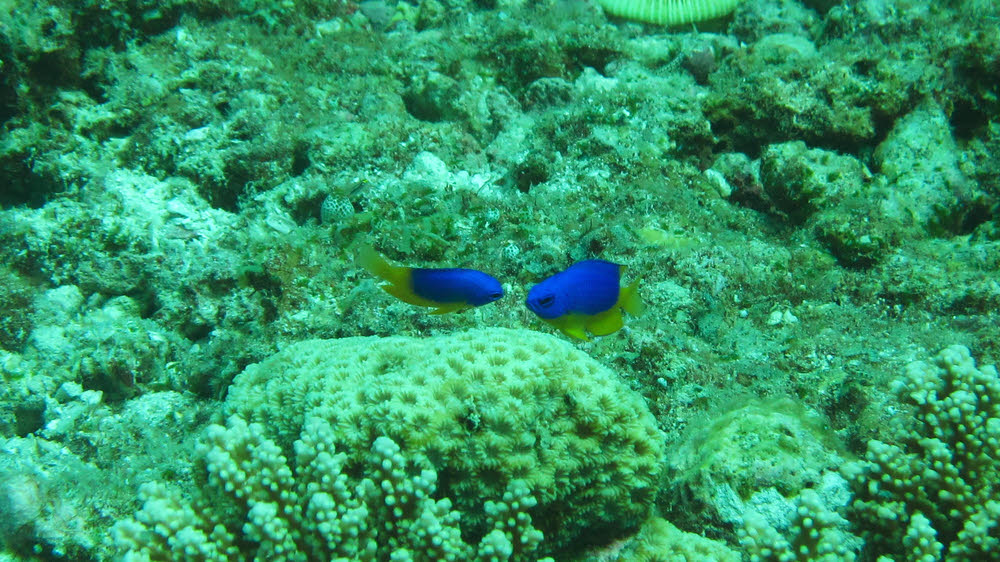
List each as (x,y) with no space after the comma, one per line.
(451,285)
(445,290)
(585,297)
(588,287)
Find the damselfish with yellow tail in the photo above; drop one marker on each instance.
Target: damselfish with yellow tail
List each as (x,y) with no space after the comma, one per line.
(445,290)
(585,297)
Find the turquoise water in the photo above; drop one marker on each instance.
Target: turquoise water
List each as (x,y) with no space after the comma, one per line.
(807,191)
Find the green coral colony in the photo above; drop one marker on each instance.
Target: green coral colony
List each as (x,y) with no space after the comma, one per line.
(695,280)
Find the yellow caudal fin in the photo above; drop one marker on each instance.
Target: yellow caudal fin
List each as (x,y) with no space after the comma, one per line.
(397,277)
(371,260)
(630,301)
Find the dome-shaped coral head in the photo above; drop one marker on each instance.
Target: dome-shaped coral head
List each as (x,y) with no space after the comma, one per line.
(445,290)
(585,297)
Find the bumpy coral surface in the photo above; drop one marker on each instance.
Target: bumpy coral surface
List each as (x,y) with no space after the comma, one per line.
(486,407)
(814,535)
(257,508)
(936,494)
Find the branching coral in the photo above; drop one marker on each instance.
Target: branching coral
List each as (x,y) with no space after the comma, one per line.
(936,494)
(814,535)
(489,407)
(267,511)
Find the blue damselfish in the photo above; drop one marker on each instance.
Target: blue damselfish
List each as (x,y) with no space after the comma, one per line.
(445,290)
(585,297)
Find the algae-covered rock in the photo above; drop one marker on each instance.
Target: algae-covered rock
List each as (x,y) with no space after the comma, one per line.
(801,181)
(485,407)
(833,195)
(855,240)
(781,89)
(921,161)
(62,485)
(775,444)
(660,541)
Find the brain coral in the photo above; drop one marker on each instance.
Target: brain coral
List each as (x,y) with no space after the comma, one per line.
(486,407)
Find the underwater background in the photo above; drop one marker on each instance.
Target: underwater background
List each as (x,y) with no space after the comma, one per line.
(195,367)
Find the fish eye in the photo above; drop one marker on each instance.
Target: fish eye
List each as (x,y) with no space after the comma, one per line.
(547,301)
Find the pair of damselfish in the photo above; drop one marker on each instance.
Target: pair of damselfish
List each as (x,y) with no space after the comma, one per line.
(585,297)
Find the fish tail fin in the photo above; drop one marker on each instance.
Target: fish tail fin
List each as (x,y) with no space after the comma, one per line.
(631,301)
(372,261)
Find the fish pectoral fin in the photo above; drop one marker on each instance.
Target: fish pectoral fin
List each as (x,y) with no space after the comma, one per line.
(573,325)
(577,333)
(607,322)
(445,308)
